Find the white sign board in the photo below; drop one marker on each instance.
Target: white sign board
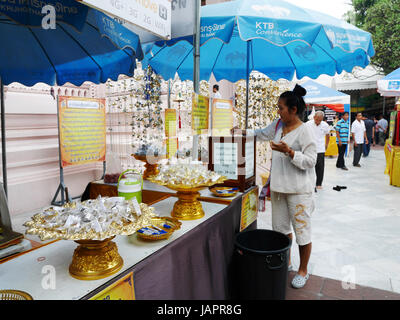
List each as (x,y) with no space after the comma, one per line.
(183,17)
(225,160)
(151,15)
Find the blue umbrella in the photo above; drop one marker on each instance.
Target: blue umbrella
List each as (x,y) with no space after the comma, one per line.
(389,86)
(85,45)
(270,36)
(101,50)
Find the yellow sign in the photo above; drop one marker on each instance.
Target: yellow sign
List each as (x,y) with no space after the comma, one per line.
(249,208)
(200,110)
(122,289)
(170,122)
(172,147)
(82,127)
(222,117)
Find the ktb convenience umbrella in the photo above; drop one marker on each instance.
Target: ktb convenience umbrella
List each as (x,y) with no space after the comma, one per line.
(270,36)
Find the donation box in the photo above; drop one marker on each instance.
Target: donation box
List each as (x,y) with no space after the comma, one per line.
(235,158)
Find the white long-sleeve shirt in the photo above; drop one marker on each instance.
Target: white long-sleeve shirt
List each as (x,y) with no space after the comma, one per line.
(297,175)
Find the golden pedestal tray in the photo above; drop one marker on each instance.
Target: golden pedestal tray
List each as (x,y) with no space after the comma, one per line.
(94,259)
(151,169)
(14,295)
(188,207)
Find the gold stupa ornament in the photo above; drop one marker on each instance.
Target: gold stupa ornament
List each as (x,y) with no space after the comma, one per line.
(187,178)
(92,224)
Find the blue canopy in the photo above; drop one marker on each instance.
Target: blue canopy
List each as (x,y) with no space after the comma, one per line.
(389,86)
(271,36)
(102,50)
(320,94)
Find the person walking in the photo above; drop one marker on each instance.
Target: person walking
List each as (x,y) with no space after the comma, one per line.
(342,139)
(359,136)
(382,127)
(370,130)
(294,156)
(321,130)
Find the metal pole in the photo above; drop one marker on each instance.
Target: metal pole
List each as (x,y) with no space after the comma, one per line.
(3,140)
(247,82)
(196,69)
(384,105)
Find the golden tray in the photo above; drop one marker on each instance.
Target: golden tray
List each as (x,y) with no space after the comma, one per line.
(213,190)
(14,295)
(188,207)
(166,224)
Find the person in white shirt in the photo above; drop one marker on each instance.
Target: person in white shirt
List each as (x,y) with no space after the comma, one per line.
(217,95)
(359,133)
(321,131)
(293,177)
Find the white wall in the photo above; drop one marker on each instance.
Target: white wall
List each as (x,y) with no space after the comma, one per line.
(32,150)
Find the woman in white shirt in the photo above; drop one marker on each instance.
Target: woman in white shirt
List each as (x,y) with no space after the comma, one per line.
(293,177)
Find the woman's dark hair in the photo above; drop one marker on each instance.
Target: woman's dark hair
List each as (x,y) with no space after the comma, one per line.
(295,99)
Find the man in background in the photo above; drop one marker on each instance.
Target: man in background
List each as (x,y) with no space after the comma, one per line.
(382,129)
(370,130)
(359,136)
(321,133)
(217,95)
(342,139)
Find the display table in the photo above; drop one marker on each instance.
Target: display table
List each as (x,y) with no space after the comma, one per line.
(195,263)
(392,154)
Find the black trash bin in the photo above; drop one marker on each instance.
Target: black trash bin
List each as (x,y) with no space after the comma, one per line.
(261,265)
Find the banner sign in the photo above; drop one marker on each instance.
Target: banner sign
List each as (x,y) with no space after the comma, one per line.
(122,289)
(151,15)
(249,209)
(222,117)
(82,130)
(170,122)
(170,132)
(200,110)
(392,125)
(32,13)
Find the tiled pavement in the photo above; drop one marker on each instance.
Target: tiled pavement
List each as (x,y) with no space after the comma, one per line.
(356,232)
(319,288)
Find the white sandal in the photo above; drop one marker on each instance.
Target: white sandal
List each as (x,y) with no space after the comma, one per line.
(299,281)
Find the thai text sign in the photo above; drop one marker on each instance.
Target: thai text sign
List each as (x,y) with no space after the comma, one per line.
(200,110)
(82,129)
(249,209)
(222,117)
(151,15)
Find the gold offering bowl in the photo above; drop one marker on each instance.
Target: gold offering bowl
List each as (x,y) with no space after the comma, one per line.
(188,207)
(159,222)
(95,259)
(151,169)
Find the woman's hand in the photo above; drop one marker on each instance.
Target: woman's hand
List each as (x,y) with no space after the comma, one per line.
(281,147)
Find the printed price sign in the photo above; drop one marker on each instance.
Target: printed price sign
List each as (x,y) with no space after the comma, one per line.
(82,129)
(249,208)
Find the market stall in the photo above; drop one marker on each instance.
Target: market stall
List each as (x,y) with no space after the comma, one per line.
(331,102)
(175,268)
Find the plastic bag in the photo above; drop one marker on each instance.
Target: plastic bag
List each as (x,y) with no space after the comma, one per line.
(113,168)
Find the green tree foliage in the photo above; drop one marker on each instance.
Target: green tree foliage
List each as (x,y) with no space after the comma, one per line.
(382,19)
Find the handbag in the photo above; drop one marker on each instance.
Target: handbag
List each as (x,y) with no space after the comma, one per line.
(266,190)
